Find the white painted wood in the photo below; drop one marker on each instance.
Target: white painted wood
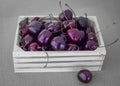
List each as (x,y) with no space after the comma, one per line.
(68,69)
(54,53)
(44,59)
(62,64)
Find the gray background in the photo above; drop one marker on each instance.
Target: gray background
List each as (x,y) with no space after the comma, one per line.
(106,11)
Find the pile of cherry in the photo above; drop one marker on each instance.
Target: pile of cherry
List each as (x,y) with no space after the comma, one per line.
(64,34)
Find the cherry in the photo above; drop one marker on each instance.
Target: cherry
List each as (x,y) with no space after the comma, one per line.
(84,76)
(67,13)
(81,23)
(75,35)
(91,36)
(65,37)
(45,25)
(34,47)
(54,27)
(72,47)
(58,43)
(44,37)
(68,24)
(25,41)
(35,19)
(91,45)
(89,29)
(35,27)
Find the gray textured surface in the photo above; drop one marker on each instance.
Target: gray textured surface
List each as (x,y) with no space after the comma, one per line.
(106,11)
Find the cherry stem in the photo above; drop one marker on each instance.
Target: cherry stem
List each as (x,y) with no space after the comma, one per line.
(77,47)
(72,12)
(24,45)
(47,58)
(62,10)
(71,9)
(41,18)
(50,18)
(64,13)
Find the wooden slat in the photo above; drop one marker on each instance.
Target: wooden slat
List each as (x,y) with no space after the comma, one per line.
(68,69)
(44,59)
(58,64)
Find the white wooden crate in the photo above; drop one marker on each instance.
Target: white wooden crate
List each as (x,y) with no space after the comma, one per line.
(59,61)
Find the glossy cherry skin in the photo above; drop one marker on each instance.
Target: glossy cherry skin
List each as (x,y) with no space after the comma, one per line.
(35,27)
(45,24)
(91,45)
(44,37)
(68,24)
(89,29)
(25,41)
(91,36)
(75,35)
(72,47)
(58,44)
(24,31)
(84,76)
(34,47)
(53,27)
(35,19)
(81,23)
(66,13)
(65,37)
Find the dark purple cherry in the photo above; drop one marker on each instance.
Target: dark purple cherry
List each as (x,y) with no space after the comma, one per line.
(88,30)
(53,27)
(84,76)
(35,19)
(81,47)
(68,24)
(58,43)
(82,35)
(91,45)
(34,47)
(65,37)
(26,40)
(67,13)
(44,37)
(72,47)
(46,47)
(46,24)
(35,27)
(24,31)
(75,35)
(91,36)
(81,23)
